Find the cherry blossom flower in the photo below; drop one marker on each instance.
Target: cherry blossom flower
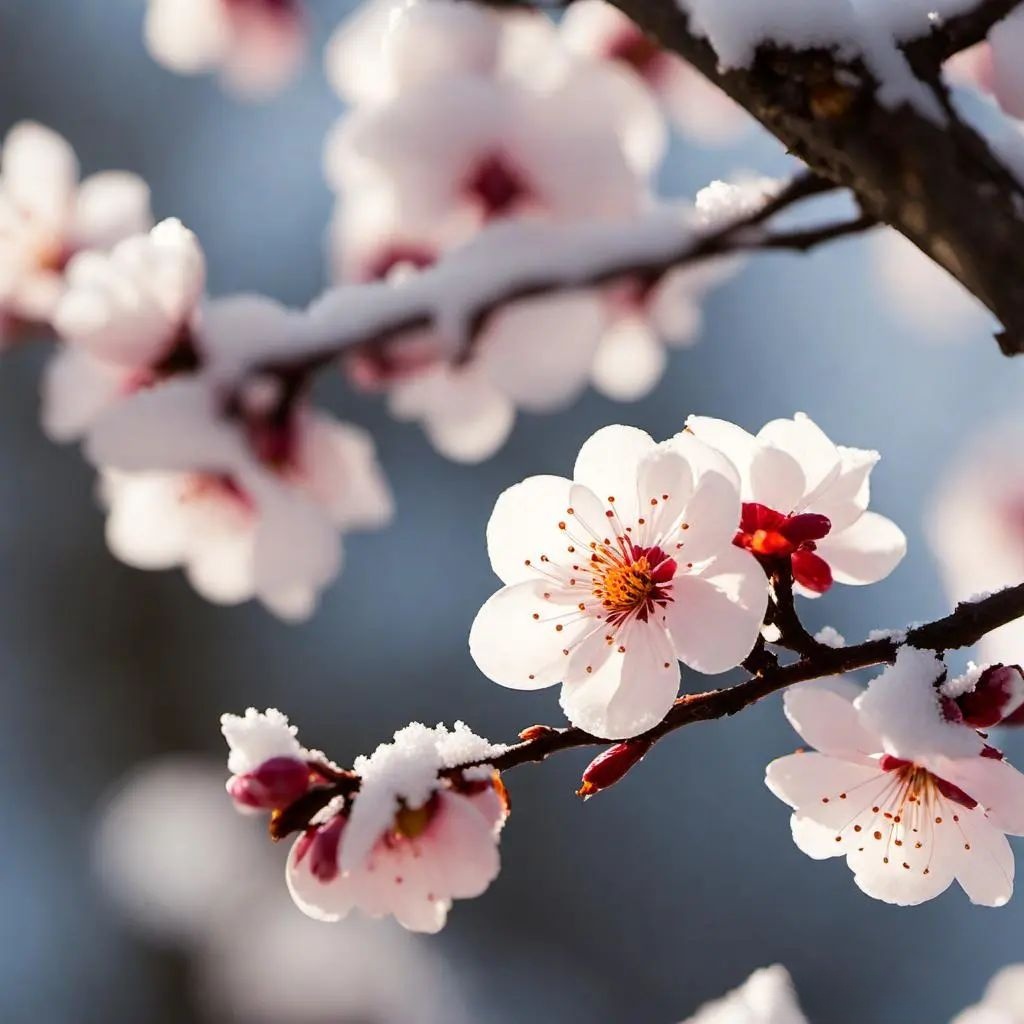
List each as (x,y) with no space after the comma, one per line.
(805,499)
(387,47)
(249,505)
(613,577)
(901,786)
(256,45)
(922,294)
(975,527)
(699,109)
(412,840)
(269,769)
(130,317)
(766,997)
(1003,1002)
(466,149)
(47,215)
(647,320)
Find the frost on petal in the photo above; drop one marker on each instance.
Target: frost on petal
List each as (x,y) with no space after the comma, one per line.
(631,691)
(902,706)
(258,736)
(865,552)
(766,997)
(527,523)
(715,617)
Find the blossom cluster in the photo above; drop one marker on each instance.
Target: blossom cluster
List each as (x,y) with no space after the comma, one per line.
(420,831)
(461,117)
(196,412)
(655,554)
(256,46)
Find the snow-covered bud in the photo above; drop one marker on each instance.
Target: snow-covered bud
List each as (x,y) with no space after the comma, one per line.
(421,832)
(611,766)
(276,783)
(985,696)
(269,768)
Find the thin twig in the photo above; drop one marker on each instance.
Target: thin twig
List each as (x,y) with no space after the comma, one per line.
(964,626)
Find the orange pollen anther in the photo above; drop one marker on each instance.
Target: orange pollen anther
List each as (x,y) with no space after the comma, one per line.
(412,822)
(632,581)
(624,587)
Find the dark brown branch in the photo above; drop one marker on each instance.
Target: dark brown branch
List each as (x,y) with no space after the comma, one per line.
(964,626)
(943,189)
(953,35)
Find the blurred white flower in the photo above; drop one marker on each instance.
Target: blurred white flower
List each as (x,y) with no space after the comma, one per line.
(615,576)
(805,499)
(766,997)
(387,47)
(256,45)
(182,872)
(1003,1002)
(996,66)
(128,317)
(169,857)
(411,841)
(251,505)
(700,110)
(975,527)
(465,149)
(923,294)
(909,793)
(47,215)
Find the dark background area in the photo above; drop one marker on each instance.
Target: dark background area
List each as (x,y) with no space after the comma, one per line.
(635,907)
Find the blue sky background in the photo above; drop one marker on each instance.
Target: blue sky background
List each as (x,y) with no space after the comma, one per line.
(662,893)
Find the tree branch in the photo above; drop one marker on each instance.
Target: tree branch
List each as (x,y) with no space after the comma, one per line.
(964,626)
(953,35)
(515,261)
(945,190)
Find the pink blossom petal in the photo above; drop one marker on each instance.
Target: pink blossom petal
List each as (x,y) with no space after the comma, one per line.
(865,552)
(715,617)
(515,641)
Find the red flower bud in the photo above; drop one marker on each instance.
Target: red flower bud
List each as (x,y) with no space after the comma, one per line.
(610,766)
(998,693)
(275,784)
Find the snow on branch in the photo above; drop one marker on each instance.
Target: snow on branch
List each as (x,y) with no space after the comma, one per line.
(864,125)
(516,260)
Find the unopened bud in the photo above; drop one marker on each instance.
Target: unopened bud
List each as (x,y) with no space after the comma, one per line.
(612,765)
(998,693)
(274,784)
(534,732)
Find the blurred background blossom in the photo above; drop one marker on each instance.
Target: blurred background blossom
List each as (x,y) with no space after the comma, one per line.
(131,890)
